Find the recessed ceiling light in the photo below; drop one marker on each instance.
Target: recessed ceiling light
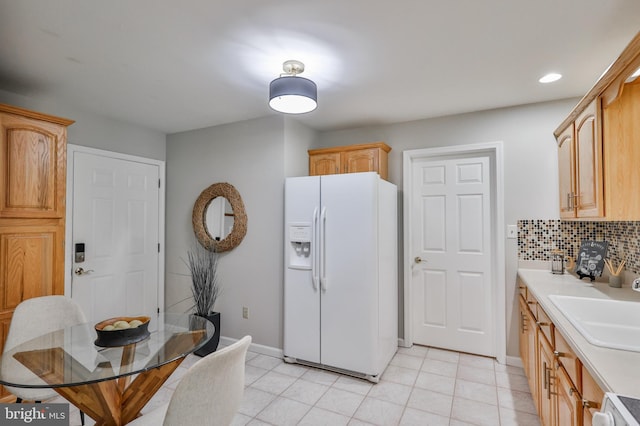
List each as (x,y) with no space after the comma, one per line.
(550,78)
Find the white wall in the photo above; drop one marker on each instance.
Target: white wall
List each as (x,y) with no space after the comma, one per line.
(297,140)
(530,155)
(250,155)
(95,130)
(256,156)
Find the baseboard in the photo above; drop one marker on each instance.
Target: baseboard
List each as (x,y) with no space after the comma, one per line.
(515,361)
(401,343)
(260,349)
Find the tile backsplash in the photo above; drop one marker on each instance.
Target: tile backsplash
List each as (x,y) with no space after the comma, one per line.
(536,239)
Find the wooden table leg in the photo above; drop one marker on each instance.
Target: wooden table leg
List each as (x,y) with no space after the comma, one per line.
(128,355)
(110,402)
(107,405)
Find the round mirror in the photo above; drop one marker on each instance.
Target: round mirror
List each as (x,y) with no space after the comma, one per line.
(219,219)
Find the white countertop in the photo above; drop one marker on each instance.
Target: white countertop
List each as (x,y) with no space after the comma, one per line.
(614,370)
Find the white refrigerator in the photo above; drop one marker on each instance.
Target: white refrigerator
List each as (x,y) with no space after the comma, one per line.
(340,280)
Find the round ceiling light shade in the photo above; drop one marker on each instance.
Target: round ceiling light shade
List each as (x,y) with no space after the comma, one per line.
(293,95)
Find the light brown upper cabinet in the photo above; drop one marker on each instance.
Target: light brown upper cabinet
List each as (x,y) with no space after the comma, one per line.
(588,146)
(580,166)
(370,157)
(599,146)
(33,157)
(621,134)
(567,172)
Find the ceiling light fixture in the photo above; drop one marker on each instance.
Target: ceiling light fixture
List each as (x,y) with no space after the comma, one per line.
(291,94)
(550,78)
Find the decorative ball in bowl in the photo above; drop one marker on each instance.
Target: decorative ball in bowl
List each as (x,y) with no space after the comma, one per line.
(122,331)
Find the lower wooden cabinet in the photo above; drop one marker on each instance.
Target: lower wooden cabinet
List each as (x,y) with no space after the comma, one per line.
(563,391)
(547,379)
(569,403)
(591,397)
(528,347)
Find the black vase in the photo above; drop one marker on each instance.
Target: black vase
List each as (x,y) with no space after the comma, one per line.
(213,342)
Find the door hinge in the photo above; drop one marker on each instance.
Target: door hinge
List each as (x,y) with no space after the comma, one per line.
(159,186)
(158,310)
(158,247)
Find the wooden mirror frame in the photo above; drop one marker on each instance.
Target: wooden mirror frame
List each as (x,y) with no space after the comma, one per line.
(199,217)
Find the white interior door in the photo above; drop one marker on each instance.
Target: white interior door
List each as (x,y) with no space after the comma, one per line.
(115,214)
(451,252)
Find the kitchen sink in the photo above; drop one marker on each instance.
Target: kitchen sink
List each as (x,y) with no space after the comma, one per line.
(603,322)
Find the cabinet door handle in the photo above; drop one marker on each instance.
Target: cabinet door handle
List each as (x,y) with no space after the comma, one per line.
(546,379)
(558,354)
(569,199)
(590,404)
(542,324)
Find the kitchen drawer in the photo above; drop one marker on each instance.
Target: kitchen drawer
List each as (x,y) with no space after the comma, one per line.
(522,289)
(545,324)
(532,303)
(568,359)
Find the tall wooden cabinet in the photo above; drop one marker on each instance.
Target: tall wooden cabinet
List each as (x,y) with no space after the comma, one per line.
(370,157)
(32,208)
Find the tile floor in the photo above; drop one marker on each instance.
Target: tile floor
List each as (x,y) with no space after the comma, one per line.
(421,386)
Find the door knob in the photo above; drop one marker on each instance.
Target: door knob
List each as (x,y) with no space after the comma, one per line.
(418,259)
(81,271)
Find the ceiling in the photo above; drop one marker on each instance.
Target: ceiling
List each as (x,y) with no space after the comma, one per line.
(180,65)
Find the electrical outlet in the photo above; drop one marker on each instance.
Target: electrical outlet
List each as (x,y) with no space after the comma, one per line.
(245,312)
(512,231)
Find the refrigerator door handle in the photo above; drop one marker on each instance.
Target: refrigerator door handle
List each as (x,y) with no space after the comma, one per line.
(323,257)
(314,252)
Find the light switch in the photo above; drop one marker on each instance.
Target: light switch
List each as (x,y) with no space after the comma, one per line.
(512,231)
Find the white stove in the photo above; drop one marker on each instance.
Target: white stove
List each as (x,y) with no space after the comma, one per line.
(618,410)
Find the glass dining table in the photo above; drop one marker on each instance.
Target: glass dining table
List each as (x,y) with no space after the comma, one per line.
(109,384)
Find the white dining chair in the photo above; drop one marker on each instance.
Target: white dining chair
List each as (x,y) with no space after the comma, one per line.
(209,393)
(32,318)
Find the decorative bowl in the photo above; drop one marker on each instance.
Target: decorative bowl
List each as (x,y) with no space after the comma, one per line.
(122,336)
